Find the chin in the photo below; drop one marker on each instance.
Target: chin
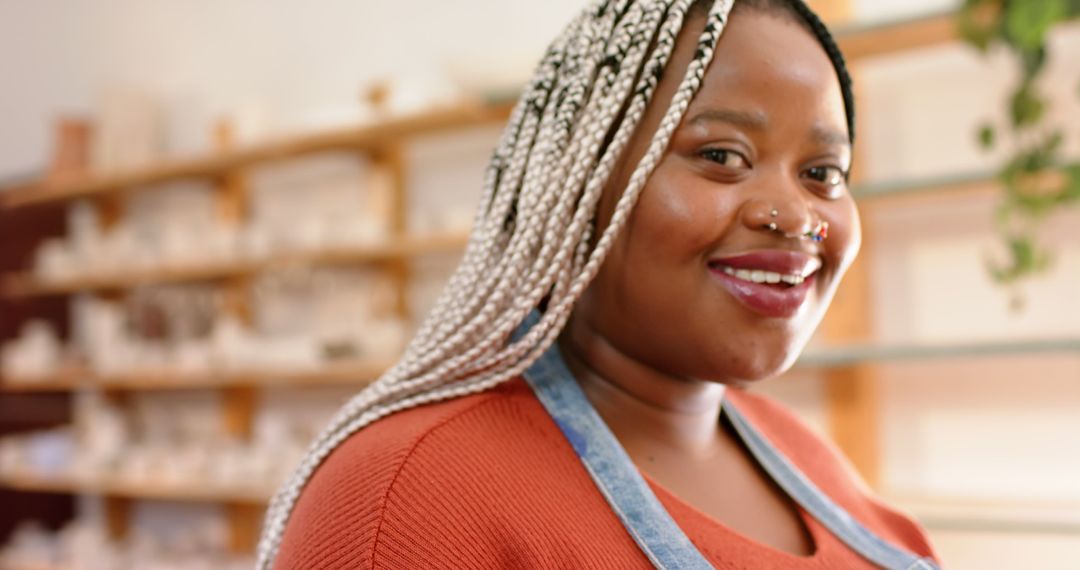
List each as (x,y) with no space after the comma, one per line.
(766,372)
(778,359)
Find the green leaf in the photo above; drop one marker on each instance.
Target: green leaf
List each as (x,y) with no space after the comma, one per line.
(1052,144)
(1026,107)
(1025,258)
(976,36)
(986,136)
(979,22)
(1023,25)
(1072,188)
(1028,21)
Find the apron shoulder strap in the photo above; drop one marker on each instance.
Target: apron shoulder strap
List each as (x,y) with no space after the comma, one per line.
(814,501)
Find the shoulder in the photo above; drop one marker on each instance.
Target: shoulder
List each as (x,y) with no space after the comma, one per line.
(436,474)
(830,470)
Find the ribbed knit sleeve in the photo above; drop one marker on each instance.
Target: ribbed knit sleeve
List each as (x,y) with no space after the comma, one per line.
(340,520)
(485,481)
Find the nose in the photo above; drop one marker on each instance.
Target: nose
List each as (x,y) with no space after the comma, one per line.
(786,215)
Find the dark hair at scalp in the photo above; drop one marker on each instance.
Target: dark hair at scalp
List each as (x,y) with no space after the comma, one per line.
(800,13)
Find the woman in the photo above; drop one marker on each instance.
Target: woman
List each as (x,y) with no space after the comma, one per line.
(665,220)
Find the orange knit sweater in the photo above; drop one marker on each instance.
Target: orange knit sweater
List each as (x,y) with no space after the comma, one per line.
(488,481)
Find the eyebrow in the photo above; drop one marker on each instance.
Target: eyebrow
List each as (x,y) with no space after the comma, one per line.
(758,121)
(830,137)
(746,119)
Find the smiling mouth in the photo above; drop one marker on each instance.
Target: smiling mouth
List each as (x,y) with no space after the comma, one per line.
(762,276)
(771,283)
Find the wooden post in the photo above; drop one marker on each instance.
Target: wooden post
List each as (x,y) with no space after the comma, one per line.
(233,188)
(238,409)
(245,524)
(117,510)
(832,12)
(852,394)
(233,210)
(117,517)
(389,178)
(852,391)
(237,403)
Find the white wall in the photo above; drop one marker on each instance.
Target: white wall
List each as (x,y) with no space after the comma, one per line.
(298,61)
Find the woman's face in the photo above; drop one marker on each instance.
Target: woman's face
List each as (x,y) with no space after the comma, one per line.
(764,141)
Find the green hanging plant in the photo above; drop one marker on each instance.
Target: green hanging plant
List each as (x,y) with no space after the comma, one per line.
(1037,179)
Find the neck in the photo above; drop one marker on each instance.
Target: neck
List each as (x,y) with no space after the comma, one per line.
(653,414)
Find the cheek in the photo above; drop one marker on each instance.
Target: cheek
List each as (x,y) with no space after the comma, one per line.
(845,234)
(679,215)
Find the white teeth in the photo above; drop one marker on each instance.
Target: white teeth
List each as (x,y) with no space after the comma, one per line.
(761,276)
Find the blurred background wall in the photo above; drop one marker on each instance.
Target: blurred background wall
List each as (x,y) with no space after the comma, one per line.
(950,401)
(292,61)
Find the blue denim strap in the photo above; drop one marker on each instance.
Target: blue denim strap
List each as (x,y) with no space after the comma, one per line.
(814,501)
(650,525)
(662,541)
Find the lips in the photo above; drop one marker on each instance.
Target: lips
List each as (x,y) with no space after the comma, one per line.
(772,283)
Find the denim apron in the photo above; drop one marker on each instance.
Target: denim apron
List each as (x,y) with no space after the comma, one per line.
(662,541)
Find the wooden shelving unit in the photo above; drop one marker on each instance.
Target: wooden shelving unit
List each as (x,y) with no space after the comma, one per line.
(4,565)
(107,487)
(228,169)
(367,139)
(27,285)
(354,374)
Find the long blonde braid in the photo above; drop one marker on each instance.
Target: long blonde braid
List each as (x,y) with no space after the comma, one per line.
(534,224)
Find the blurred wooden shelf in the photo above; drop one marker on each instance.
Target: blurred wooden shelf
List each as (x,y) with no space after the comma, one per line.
(833,357)
(346,373)
(187,492)
(930,185)
(359,373)
(992,515)
(6,565)
(26,285)
(859,41)
(365,138)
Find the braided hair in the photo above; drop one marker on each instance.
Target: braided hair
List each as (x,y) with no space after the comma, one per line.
(533,241)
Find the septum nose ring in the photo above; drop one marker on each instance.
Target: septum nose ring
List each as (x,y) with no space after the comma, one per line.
(817,234)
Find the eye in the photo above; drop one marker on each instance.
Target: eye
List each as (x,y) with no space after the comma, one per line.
(831,177)
(725,157)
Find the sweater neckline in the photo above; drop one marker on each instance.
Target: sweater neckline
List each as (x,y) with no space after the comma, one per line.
(817,532)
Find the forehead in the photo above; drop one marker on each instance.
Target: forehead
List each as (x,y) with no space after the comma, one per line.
(769,66)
